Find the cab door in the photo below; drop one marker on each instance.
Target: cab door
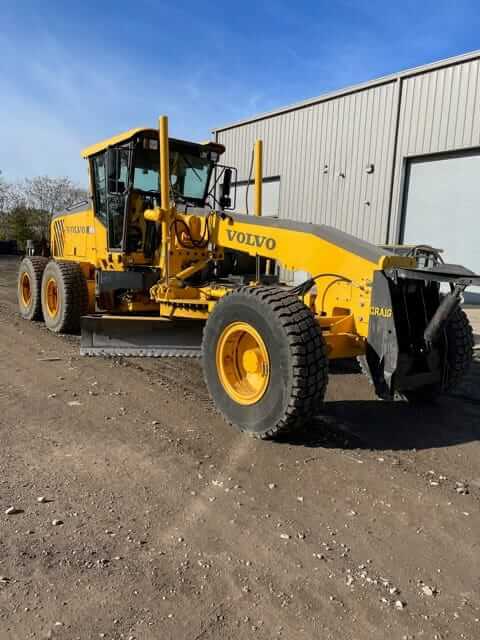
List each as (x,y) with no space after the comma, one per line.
(98,172)
(118,180)
(110,170)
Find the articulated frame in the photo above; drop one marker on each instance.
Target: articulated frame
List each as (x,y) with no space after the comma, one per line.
(344,265)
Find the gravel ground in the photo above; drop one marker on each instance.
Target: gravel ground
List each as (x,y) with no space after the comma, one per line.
(128,509)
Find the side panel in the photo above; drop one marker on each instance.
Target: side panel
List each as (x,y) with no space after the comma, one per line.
(79,236)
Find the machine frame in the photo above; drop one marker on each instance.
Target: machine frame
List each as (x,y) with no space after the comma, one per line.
(182,266)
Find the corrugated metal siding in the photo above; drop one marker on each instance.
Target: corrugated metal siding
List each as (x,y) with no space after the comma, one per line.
(407,73)
(440,112)
(434,109)
(311,149)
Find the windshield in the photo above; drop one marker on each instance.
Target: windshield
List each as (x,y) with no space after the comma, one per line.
(189,174)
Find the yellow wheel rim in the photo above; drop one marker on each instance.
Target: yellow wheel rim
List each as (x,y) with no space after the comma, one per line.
(26,289)
(52,297)
(243,363)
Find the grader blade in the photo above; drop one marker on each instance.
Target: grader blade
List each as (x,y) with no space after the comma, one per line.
(140,337)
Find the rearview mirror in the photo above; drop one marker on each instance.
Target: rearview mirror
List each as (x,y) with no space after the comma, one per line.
(225,187)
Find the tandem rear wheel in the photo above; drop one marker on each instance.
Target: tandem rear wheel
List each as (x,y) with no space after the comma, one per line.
(265,360)
(64,296)
(29,287)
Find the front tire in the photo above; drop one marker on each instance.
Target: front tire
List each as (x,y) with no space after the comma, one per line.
(29,287)
(264,360)
(64,296)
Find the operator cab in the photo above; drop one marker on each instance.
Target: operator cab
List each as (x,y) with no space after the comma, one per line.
(125,182)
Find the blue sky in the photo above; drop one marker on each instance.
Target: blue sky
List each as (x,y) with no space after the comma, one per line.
(74,73)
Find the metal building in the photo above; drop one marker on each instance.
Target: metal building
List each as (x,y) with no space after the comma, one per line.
(392,160)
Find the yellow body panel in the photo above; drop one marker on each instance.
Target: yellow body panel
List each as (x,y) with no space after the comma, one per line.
(79,237)
(304,251)
(342,307)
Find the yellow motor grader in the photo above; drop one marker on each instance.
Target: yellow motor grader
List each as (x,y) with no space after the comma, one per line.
(158,264)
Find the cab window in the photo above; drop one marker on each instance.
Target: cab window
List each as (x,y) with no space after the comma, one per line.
(100,187)
(145,179)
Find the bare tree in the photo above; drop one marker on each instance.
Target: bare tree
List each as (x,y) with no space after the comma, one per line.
(13,196)
(34,201)
(5,207)
(48,196)
(52,194)
(3,193)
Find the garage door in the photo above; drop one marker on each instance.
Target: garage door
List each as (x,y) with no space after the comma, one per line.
(442,208)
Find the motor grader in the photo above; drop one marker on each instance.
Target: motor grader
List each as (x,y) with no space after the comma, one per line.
(158,264)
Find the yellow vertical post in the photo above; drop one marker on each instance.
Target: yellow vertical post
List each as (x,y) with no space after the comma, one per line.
(258,162)
(164,175)
(257,210)
(164,163)
(258,173)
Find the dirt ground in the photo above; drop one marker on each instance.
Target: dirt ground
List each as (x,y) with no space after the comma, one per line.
(158,521)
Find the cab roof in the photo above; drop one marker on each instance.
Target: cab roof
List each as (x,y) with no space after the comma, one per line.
(131,133)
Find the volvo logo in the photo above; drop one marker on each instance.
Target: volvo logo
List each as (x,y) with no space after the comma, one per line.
(251,239)
(80,229)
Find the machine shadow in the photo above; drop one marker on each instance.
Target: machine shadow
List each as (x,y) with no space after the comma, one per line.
(397,426)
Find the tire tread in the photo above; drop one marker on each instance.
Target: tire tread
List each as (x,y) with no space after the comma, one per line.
(38,264)
(75,299)
(308,353)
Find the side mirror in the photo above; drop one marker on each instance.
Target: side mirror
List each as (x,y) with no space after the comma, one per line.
(225,187)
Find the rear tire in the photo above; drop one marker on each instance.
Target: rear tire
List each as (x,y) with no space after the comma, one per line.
(64,296)
(29,287)
(288,386)
(460,343)
(459,355)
